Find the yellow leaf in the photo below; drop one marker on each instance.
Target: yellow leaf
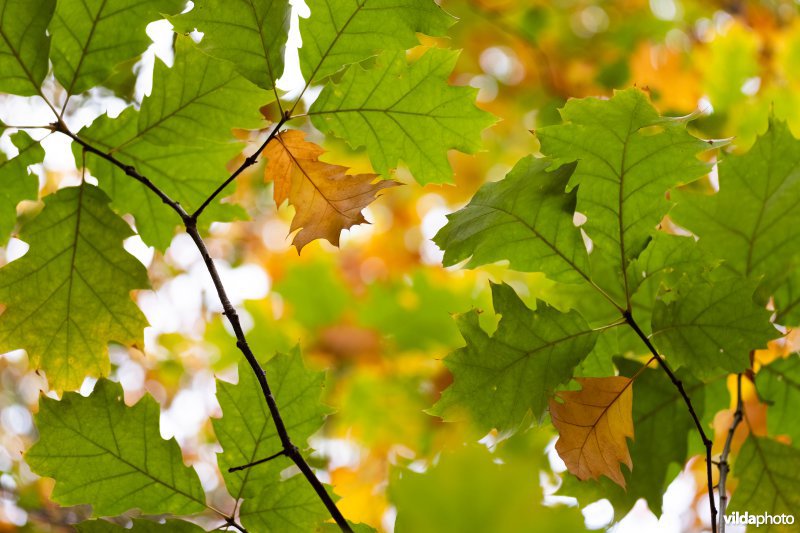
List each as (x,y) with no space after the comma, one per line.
(326,199)
(593,424)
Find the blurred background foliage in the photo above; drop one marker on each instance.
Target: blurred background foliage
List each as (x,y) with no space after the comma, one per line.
(377,312)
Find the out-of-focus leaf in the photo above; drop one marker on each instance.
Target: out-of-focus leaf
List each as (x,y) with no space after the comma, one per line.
(445,498)
(779,384)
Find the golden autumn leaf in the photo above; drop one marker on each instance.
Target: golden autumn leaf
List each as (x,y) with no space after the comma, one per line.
(593,424)
(326,199)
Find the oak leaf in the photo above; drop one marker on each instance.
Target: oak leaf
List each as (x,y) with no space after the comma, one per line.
(326,199)
(593,424)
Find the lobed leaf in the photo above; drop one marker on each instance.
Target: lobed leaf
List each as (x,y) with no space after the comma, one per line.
(769,480)
(90,37)
(500,379)
(16,183)
(593,426)
(712,325)
(404,112)
(24,45)
(139,526)
(627,158)
(68,297)
(778,383)
(112,456)
(326,199)
(342,32)
(249,33)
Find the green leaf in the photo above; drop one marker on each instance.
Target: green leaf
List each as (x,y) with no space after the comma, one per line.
(90,37)
(712,325)
(787,300)
(181,140)
(199,100)
(246,430)
(16,184)
(526,219)
(499,379)
(753,221)
(316,294)
(249,33)
(778,383)
(139,526)
(628,157)
(283,506)
(68,297)
(24,44)
(341,32)
(769,480)
(404,112)
(112,456)
(467,491)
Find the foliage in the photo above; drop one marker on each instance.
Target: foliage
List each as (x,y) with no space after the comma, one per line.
(640,249)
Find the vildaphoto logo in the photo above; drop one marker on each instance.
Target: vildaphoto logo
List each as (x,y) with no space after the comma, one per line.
(763,519)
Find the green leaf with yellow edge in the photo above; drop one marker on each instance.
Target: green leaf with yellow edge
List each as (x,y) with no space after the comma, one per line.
(249,33)
(404,112)
(467,491)
(752,222)
(341,32)
(16,183)
(712,325)
(769,481)
(628,157)
(499,379)
(181,140)
(102,452)
(139,526)
(69,296)
(90,37)
(246,430)
(24,44)
(778,384)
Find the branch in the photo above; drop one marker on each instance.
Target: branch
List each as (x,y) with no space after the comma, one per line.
(254,463)
(190,222)
(724,467)
(679,385)
(248,162)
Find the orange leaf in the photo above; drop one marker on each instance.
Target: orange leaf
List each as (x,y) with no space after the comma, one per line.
(593,424)
(326,199)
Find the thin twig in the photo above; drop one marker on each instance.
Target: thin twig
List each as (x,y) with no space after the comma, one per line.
(724,467)
(231,522)
(248,162)
(679,385)
(254,463)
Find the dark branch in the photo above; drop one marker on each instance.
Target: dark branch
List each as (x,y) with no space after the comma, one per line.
(128,169)
(231,522)
(254,463)
(679,385)
(248,162)
(724,467)
(190,222)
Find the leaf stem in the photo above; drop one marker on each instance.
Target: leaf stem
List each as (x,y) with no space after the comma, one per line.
(679,385)
(254,463)
(724,466)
